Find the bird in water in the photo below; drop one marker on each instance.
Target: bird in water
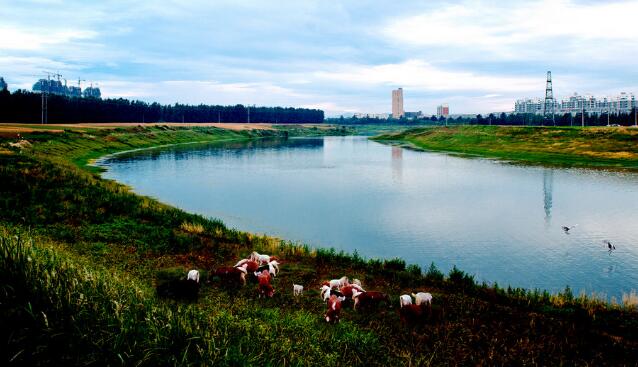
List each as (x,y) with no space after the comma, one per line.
(610,247)
(567,229)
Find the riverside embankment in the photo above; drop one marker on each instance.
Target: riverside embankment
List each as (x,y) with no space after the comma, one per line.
(595,147)
(79,256)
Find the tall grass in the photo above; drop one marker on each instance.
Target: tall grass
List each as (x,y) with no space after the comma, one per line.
(112,319)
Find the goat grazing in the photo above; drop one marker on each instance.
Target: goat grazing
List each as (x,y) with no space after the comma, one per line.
(326,292)
(334,308)
(405,300)
(251,266)
(261,259)
(273,267)
(411,314)
(368,299)
(265,288)
(297,289)
(348,289)
(193,275)
(422,299)
(337,283)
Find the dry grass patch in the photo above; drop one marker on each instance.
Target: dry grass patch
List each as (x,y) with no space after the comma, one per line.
(193,228)
(630,300)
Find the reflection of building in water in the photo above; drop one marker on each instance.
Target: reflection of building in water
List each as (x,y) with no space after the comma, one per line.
(397,163)
(548,181)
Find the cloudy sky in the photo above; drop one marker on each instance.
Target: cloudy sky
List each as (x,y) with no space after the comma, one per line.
(340,56)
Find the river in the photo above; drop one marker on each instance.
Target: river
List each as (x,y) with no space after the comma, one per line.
(498,221)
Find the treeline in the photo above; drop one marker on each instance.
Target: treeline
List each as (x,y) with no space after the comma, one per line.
(521,119)
(25,107)
(622,119)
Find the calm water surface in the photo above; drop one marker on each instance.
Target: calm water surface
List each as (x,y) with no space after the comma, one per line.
(498,221)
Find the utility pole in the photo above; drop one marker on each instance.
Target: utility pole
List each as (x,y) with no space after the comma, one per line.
(44,119)
(582,117)
(44,102)
(248,109)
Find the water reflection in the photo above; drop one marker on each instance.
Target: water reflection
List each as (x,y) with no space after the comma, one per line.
(397,163)
(548,182)
(208,149)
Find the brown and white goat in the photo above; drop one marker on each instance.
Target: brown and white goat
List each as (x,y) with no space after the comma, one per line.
(337,283)
(265,288)
(348,289)
(334,308)
(368,299)
(412,314)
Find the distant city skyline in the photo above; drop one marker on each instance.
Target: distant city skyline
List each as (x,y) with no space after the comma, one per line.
(344,58)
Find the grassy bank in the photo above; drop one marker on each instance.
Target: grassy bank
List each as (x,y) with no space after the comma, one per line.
(601,147)
(79,258)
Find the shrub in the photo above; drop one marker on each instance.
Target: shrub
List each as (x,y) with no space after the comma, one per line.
(434,274)
(461,279)
(395,264)
(414,269)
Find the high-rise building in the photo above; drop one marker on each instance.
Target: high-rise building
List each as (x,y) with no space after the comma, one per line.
(53,86)
(3,84)
(397,103)
(443,110)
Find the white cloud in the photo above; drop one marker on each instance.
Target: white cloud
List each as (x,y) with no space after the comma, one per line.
(13,38)
(512,30)
(420,75)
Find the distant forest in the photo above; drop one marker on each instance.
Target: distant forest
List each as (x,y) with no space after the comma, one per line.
(25,107)
(623,119)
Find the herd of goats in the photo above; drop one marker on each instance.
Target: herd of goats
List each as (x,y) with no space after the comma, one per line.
(335,292)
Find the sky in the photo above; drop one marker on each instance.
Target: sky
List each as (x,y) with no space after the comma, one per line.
(339,56)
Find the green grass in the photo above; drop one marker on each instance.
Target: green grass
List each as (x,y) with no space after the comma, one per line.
(79,258)
(600,147)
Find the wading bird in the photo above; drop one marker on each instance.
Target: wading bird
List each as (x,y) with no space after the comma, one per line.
(567,229)
(610,247)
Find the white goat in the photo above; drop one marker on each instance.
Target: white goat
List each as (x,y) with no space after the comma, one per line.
(405,300)
(337,283)
(325,293)
(193,275)
(422,298)
(357,287)
(273,267)
(297,289)
(241,262)
(261,259)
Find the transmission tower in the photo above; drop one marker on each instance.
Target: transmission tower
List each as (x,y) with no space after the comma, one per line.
(549,99)
(44,90)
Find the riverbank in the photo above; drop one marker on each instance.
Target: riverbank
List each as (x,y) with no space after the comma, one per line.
(79,257)
(595,147)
